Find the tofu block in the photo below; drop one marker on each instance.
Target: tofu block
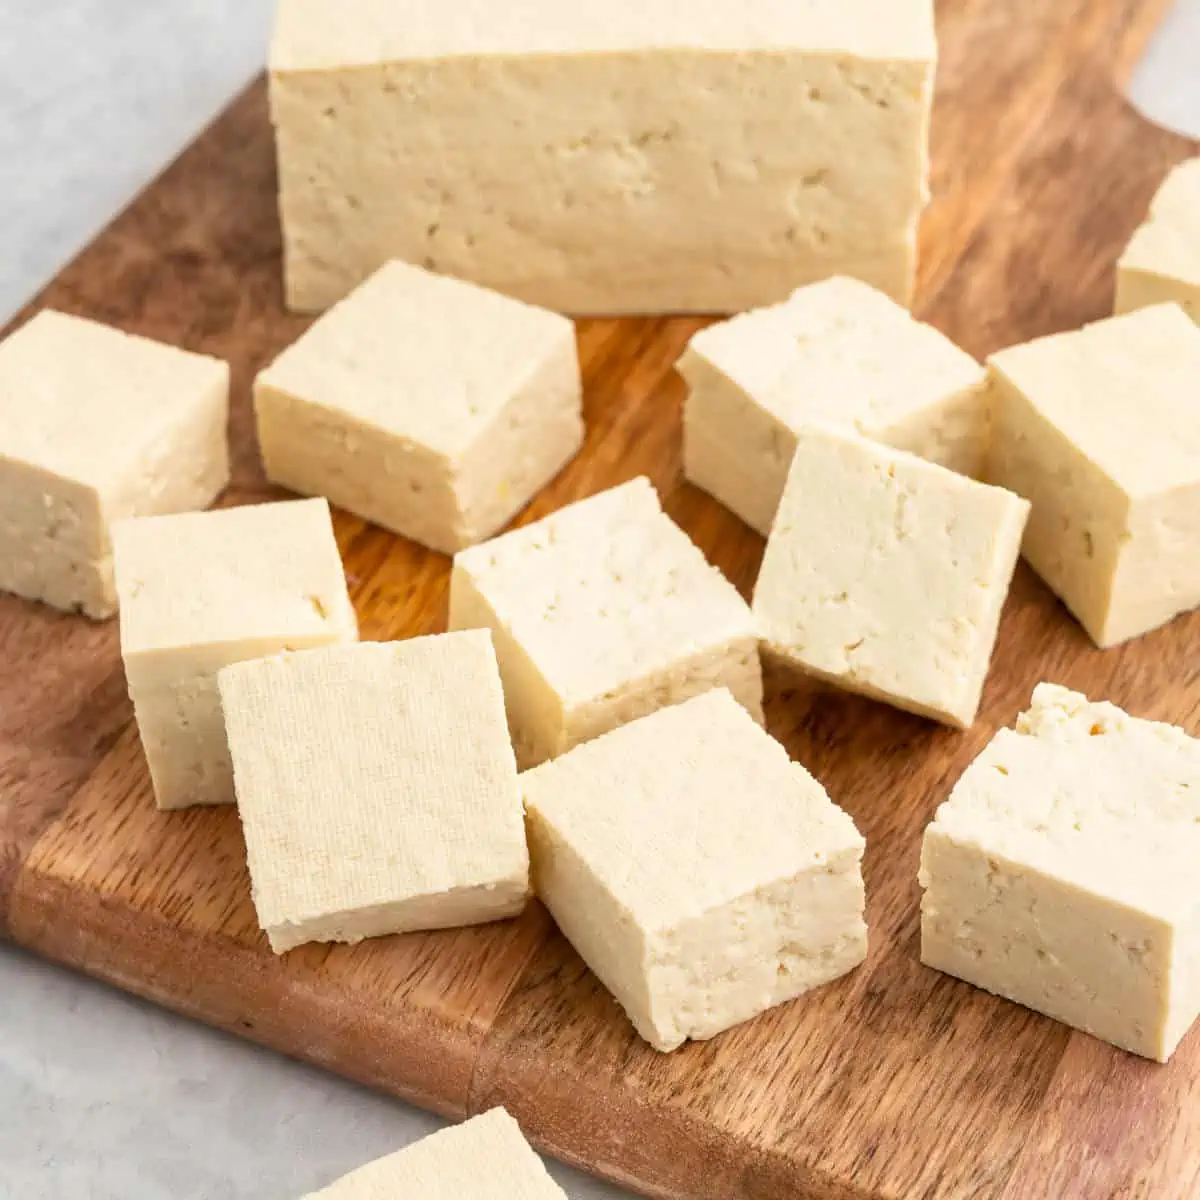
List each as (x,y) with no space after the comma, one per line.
(97,425)
(486,1156)
(377,788)
(602,613)
(837,352)
(633,157)
(429,406)
(1061,872)
(1161,264)
(201,591)
(1100,429)
(701,875)
(886,575)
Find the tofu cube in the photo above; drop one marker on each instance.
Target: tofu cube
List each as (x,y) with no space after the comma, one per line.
(377,788)
(1161,264)
(886,575)
(602,613)
(634,157)
(201,591)
(97,425)
(837,352)
(1061,872)
(486,1156)
(1100,429)
(431,407)
(702,875)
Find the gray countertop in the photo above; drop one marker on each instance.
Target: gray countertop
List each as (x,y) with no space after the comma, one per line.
(103,1097)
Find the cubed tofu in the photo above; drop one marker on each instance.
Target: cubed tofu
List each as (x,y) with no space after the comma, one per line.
(201,591)
(98,425)
(702,875)
(1161,264)
(603,612)
(432,407)
(377,788)
(632,157)
(1100,429)
(838,352)
(886,574)
(1061,873)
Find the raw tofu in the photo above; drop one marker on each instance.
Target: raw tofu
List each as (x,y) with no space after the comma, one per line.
(603,612)
(97,425)
(377,788)
(637,156)
(432,407)
(483,1157)
(837,352)
(1061,873)
(886,575)
(702,875)
(1100,429)
(1161,264)
(201,591)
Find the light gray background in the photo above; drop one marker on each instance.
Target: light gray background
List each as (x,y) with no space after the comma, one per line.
(103,1097)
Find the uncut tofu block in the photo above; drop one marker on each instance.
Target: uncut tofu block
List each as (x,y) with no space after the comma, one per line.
(1161,264)
(702,875)
(1061,872)
(603,612)
(432,407)
(97,425)
(201,591)
(1100,429)
(485,1157)
(838,352)
(377,788)
(633,157)
(886,575)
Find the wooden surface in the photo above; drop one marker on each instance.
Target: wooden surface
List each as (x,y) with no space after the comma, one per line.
(894,1082)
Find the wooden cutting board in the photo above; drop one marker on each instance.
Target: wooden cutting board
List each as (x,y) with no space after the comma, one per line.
(895,1082)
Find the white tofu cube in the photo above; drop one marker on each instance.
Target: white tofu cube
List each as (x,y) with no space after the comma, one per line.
(201,591)
(702,875)
(1061,873)
(429,406)
(837,352)
(377,789)
(603,612)
(886,575)
(97,425)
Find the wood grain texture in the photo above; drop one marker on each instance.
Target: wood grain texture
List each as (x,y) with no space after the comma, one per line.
(895,1082)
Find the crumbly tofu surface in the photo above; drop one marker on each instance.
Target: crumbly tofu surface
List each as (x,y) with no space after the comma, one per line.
(837,352)
(646,156)
(1061,872)
(1100,429)
(200,591)
(97,425)
(377,788)
(486,1156)
(1161,264)
(603,612)
(886,574)
(428,405)
(702,875)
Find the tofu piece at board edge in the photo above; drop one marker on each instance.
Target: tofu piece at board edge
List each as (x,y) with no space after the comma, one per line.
(702,875)
(199,591)
(1060,873)
(97,425)
(377,788)
(430,406)
(601,613)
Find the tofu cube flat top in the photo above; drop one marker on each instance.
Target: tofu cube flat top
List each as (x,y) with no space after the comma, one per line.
(377,788)
(886,574)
